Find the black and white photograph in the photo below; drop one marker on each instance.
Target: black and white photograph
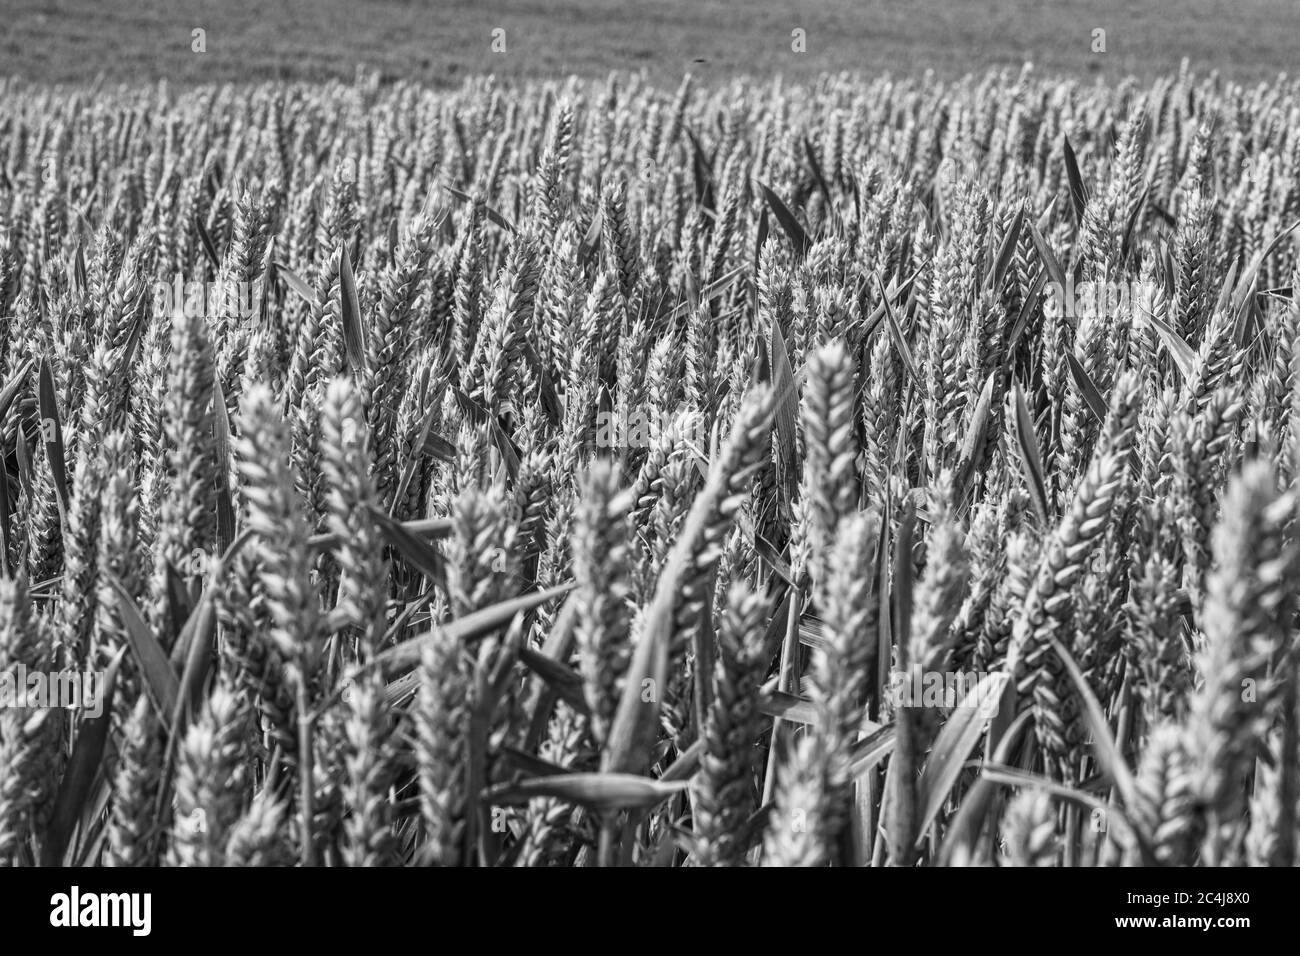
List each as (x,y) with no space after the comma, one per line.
(683,433)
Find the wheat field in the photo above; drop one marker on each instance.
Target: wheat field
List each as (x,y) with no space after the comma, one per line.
(592,473)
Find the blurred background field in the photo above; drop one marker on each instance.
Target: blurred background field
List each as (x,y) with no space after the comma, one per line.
(440,42)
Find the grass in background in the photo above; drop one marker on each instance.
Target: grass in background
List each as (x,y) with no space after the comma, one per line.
(441,42)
